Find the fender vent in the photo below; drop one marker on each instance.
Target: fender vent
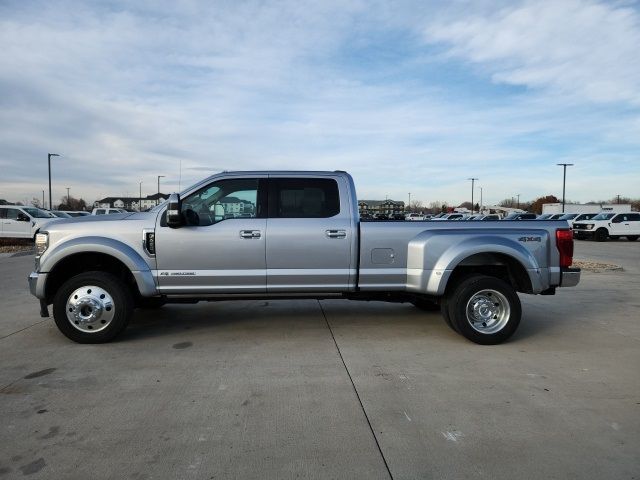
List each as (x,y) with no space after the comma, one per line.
(149,242)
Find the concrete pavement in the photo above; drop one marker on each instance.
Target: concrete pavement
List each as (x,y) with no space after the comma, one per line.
(261,389)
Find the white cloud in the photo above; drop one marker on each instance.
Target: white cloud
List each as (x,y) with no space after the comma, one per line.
(571,47)
(126,93)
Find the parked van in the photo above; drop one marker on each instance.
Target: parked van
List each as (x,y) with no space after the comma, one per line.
(17,221)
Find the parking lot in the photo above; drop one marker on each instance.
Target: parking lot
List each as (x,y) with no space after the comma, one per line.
(329,389)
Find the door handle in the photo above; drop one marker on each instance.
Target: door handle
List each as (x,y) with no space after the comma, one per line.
(336,233)
(249,233)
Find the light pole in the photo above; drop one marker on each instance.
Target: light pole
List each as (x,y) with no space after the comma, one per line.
(140,197)
(564,179)
(158,199)
(473,181)
(49,155)
(518,200)
(409,204)
(43,206)
(481,203)
(68,188)
(618,199)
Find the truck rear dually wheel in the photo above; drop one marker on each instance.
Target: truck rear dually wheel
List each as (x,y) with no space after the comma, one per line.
(484,309)
(426,305)
(433,306)
(92,307)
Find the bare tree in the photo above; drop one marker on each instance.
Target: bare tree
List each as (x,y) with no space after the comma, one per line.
(35,201)
(416,206)
(72,204)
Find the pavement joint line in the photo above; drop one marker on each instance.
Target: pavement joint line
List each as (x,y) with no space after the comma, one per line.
(23,329)
(375,438)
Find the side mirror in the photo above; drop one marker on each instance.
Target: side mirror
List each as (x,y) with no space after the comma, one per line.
(174,216)
(22,217)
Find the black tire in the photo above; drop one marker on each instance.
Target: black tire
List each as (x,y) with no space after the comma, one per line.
(601,235)
(632,238)
(501,299)
(120,312)
(444,310)
(150,303)
(425,304)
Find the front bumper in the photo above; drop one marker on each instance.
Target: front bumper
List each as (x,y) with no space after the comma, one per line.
(36,284)
(582,233)
(569,277)
(36,287)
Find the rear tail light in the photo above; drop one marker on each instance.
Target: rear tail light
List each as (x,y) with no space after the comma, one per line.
(564,242)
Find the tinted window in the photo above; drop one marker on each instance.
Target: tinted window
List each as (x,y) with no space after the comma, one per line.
(306,198)
(12,213)
(634,217)
(100,211)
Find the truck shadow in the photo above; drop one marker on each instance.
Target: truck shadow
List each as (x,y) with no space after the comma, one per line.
(266,319)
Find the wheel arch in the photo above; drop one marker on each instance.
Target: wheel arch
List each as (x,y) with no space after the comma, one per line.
(81,262)
(493,264)
(94,253)
(436,259)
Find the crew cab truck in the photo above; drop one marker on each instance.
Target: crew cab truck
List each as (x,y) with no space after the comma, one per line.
(608,225)
(250,235)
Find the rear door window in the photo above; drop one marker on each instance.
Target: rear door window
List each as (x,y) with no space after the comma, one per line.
(304,198)
(12,213)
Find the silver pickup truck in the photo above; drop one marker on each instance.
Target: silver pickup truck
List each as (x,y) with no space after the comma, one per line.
(248,235)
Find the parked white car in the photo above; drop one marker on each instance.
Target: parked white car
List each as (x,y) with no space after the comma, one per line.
(17,221)
(107,211)
(609,225)
(77,213)
(576,217)
(414,217)
(451,216)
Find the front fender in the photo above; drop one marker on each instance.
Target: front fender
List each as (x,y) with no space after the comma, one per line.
(434,254)
(109,246)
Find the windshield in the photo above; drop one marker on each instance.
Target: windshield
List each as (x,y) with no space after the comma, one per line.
(60,214)
(568,216)
(603,216)
(37,213)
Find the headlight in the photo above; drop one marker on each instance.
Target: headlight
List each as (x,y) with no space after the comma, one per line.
(589,226)
(42,242)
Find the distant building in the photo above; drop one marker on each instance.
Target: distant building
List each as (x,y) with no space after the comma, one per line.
(131,203)
(586,207)
(236,206)
(386,207)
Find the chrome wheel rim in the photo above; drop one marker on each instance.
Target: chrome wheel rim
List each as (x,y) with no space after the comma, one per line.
(488,311)
(90,309)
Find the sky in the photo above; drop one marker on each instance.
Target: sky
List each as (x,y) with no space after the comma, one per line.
(408,96)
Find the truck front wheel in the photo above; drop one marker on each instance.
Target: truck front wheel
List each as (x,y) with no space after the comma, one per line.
(92,307)
(601,235)
(484,309)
